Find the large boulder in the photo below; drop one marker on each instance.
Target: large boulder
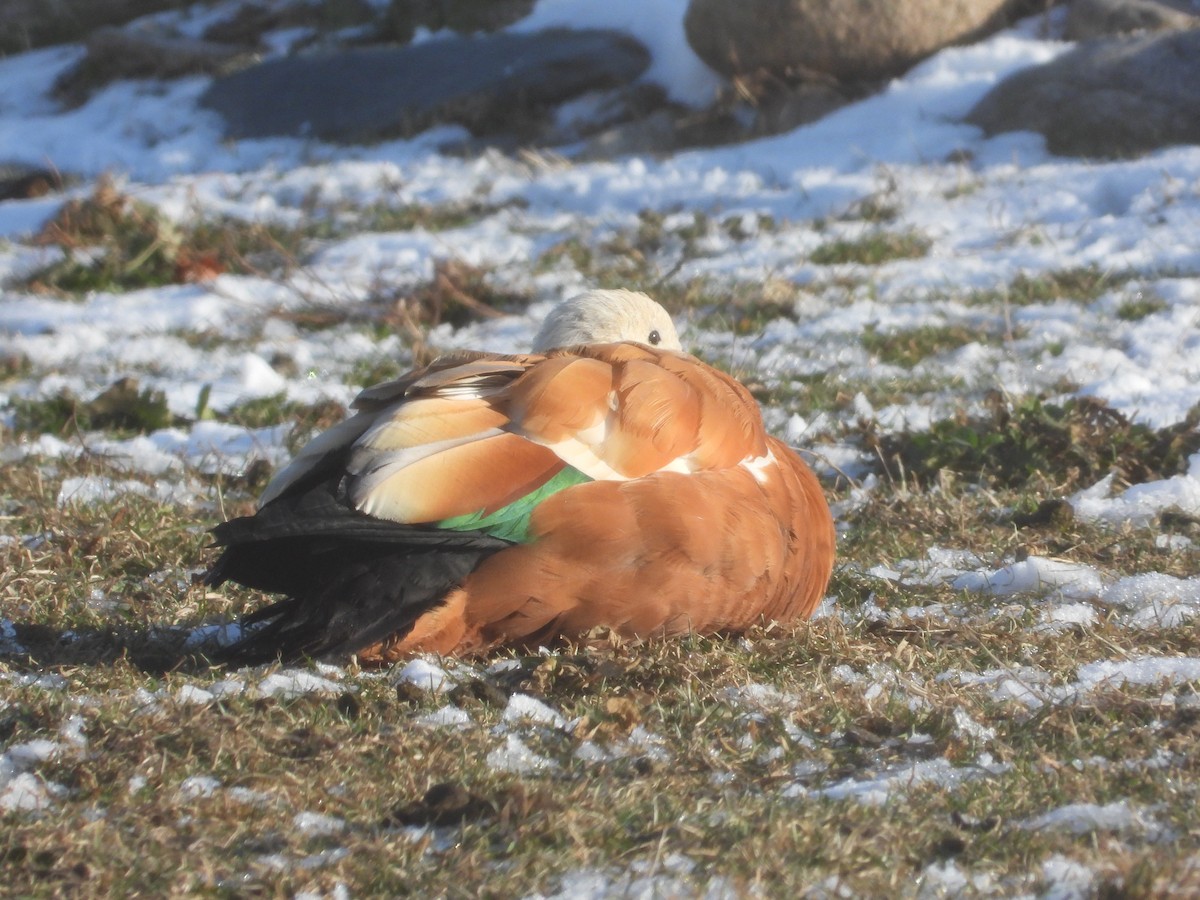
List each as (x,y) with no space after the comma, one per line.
(403,17)
(115,53)
(494,83)
(25,24)
(21,182)
(1104,99)
(849,40)
(1087,19)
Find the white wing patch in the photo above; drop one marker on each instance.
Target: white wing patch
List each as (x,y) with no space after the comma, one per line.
(757,466)
(581,455)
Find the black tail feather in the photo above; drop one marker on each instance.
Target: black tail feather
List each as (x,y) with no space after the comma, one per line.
(349,580)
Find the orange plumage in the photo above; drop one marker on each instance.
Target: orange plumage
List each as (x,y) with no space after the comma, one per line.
(489,500)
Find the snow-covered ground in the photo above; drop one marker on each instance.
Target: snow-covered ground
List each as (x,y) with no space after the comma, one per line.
(992,210)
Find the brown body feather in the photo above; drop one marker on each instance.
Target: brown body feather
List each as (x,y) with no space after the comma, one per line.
(695,520)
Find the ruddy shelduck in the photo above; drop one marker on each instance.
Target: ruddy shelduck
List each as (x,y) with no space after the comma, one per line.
(608,479)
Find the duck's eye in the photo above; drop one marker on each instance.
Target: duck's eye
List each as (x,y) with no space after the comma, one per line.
(655,338)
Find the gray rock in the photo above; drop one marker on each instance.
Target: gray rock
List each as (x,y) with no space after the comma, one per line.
(1105,99)
(36,23)
(250,23)
(495,83)
(1087,19)
(796,105)
(670,129)
(115,53)
(21,182)
(864,39)
(403,17)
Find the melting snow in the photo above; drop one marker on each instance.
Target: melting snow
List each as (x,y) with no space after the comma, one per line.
(426,675)
(1154,600)
(24,792)
(296,683)
(1031,688)
(1083,818)
(758,696)
(966,727)
(1055,619)
(1139,670)
(448,716)
(21,790)
(946,879)
(672,876)
(318,823)
(229,687)
(190,693)
(1071,591)
(281,862)
(98,489)
(1034,575)
(522,708)
(338,892)
(208,447)
(249,796)
(1066,879)
(197,786)
(518,759)
(48,682)
(1141,504)
(877,790)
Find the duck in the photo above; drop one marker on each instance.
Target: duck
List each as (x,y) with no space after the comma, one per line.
(605,479)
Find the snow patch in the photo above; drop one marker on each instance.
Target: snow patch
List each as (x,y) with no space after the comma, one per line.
(314,823)
(1035,575)
(24,792)
(517,758)
(877,790)
(1066,879)
(448,716)
(523,709)
(93,489)
(1141,504)
(1085,818)
(296,683)
(197,786)
(425,674)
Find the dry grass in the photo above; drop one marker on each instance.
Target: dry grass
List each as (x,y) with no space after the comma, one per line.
(732,780)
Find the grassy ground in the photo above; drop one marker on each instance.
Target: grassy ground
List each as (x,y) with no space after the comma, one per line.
(728,754)
(869,752)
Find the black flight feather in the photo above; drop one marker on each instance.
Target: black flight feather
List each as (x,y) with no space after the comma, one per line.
(350,580)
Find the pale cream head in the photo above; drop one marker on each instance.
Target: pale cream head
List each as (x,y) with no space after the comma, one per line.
(601,317)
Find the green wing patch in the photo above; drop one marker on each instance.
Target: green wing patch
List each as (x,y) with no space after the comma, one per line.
(511,522)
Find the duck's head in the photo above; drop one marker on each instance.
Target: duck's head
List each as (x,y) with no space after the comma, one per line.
(601,317)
